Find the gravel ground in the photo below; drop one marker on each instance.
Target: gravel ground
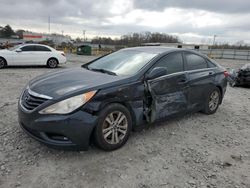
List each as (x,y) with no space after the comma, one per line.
(192,151)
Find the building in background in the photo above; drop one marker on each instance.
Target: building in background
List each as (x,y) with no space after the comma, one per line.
(57,39)
(35,37)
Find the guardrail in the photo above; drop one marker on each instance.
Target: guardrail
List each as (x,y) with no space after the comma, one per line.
(226,54)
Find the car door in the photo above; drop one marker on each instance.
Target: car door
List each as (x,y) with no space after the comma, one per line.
(24,56)
(201,79)
(42,55)
(169,92)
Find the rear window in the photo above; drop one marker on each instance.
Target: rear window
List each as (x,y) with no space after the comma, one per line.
(195,62)
(42,49)
(210,64)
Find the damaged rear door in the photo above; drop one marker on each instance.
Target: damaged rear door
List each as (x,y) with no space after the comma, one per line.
(167,94)
(201,80)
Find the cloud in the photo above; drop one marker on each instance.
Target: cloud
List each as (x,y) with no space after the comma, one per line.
(219,6)
(191,20)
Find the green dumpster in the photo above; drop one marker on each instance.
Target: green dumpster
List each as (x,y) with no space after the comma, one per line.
(84,50)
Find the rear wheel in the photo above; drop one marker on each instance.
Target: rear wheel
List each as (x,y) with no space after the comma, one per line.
(212,101)
(114,127)
(52,63)
(2,63)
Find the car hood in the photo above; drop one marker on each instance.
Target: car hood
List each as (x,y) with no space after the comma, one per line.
(71,81)
(4,51)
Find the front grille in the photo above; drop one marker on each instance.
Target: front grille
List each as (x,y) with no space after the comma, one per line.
(30,102)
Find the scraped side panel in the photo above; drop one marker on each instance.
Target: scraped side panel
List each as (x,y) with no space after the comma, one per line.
(167,97)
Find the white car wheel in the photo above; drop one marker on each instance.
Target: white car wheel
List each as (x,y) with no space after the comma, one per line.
(52,63)
(2,63)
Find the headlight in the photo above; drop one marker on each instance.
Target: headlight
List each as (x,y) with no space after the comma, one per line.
(68,105)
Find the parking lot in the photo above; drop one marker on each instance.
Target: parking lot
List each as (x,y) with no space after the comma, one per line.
(192,151)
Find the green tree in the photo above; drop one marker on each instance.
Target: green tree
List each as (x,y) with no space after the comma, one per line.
(7,32)
(19,33)
(136,39)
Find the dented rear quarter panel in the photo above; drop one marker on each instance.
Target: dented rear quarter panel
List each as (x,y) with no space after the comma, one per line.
(200,82)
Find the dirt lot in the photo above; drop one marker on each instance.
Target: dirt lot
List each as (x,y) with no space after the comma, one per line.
(193,151)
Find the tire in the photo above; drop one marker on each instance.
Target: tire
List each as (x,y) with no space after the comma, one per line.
(212,101)
(52,63)
(3,63)
(109,135)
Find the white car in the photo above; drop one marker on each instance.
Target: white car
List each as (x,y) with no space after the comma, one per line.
(31,54)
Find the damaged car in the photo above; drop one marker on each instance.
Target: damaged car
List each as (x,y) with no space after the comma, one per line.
(240,77)
(105,99)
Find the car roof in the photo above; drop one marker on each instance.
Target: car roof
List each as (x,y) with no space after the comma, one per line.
(154,49)
(163,50)
(31,44)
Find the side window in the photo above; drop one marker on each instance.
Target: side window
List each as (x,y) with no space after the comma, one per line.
(28,48)
(195,62)
(210,64)
(172,62)
(42,49)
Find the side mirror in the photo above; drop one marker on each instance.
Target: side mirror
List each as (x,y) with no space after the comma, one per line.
(18,50)
(156,72)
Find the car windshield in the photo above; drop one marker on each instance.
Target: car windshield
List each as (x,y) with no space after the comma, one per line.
(124,62)
(14,48)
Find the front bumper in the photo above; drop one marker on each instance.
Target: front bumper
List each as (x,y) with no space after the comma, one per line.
(71,131)
(63,60)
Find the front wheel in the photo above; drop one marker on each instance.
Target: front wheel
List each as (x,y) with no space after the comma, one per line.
(2,63)
(212,101)
(113,128)
(52,63)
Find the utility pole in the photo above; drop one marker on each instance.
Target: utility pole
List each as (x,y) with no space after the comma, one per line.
(212,45)
(214,39)
(49,23)
(62,32)
(84,32)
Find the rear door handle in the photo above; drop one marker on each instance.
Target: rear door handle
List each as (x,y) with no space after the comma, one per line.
(182,80)
(211,73)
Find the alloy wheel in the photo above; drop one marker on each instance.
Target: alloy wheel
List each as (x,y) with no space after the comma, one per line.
(2,63)
(115,127)
(52,63)
(214,100)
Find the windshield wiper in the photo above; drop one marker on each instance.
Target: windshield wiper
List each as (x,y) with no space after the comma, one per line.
(103,71)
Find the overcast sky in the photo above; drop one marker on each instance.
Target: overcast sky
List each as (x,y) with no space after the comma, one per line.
(191,20)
